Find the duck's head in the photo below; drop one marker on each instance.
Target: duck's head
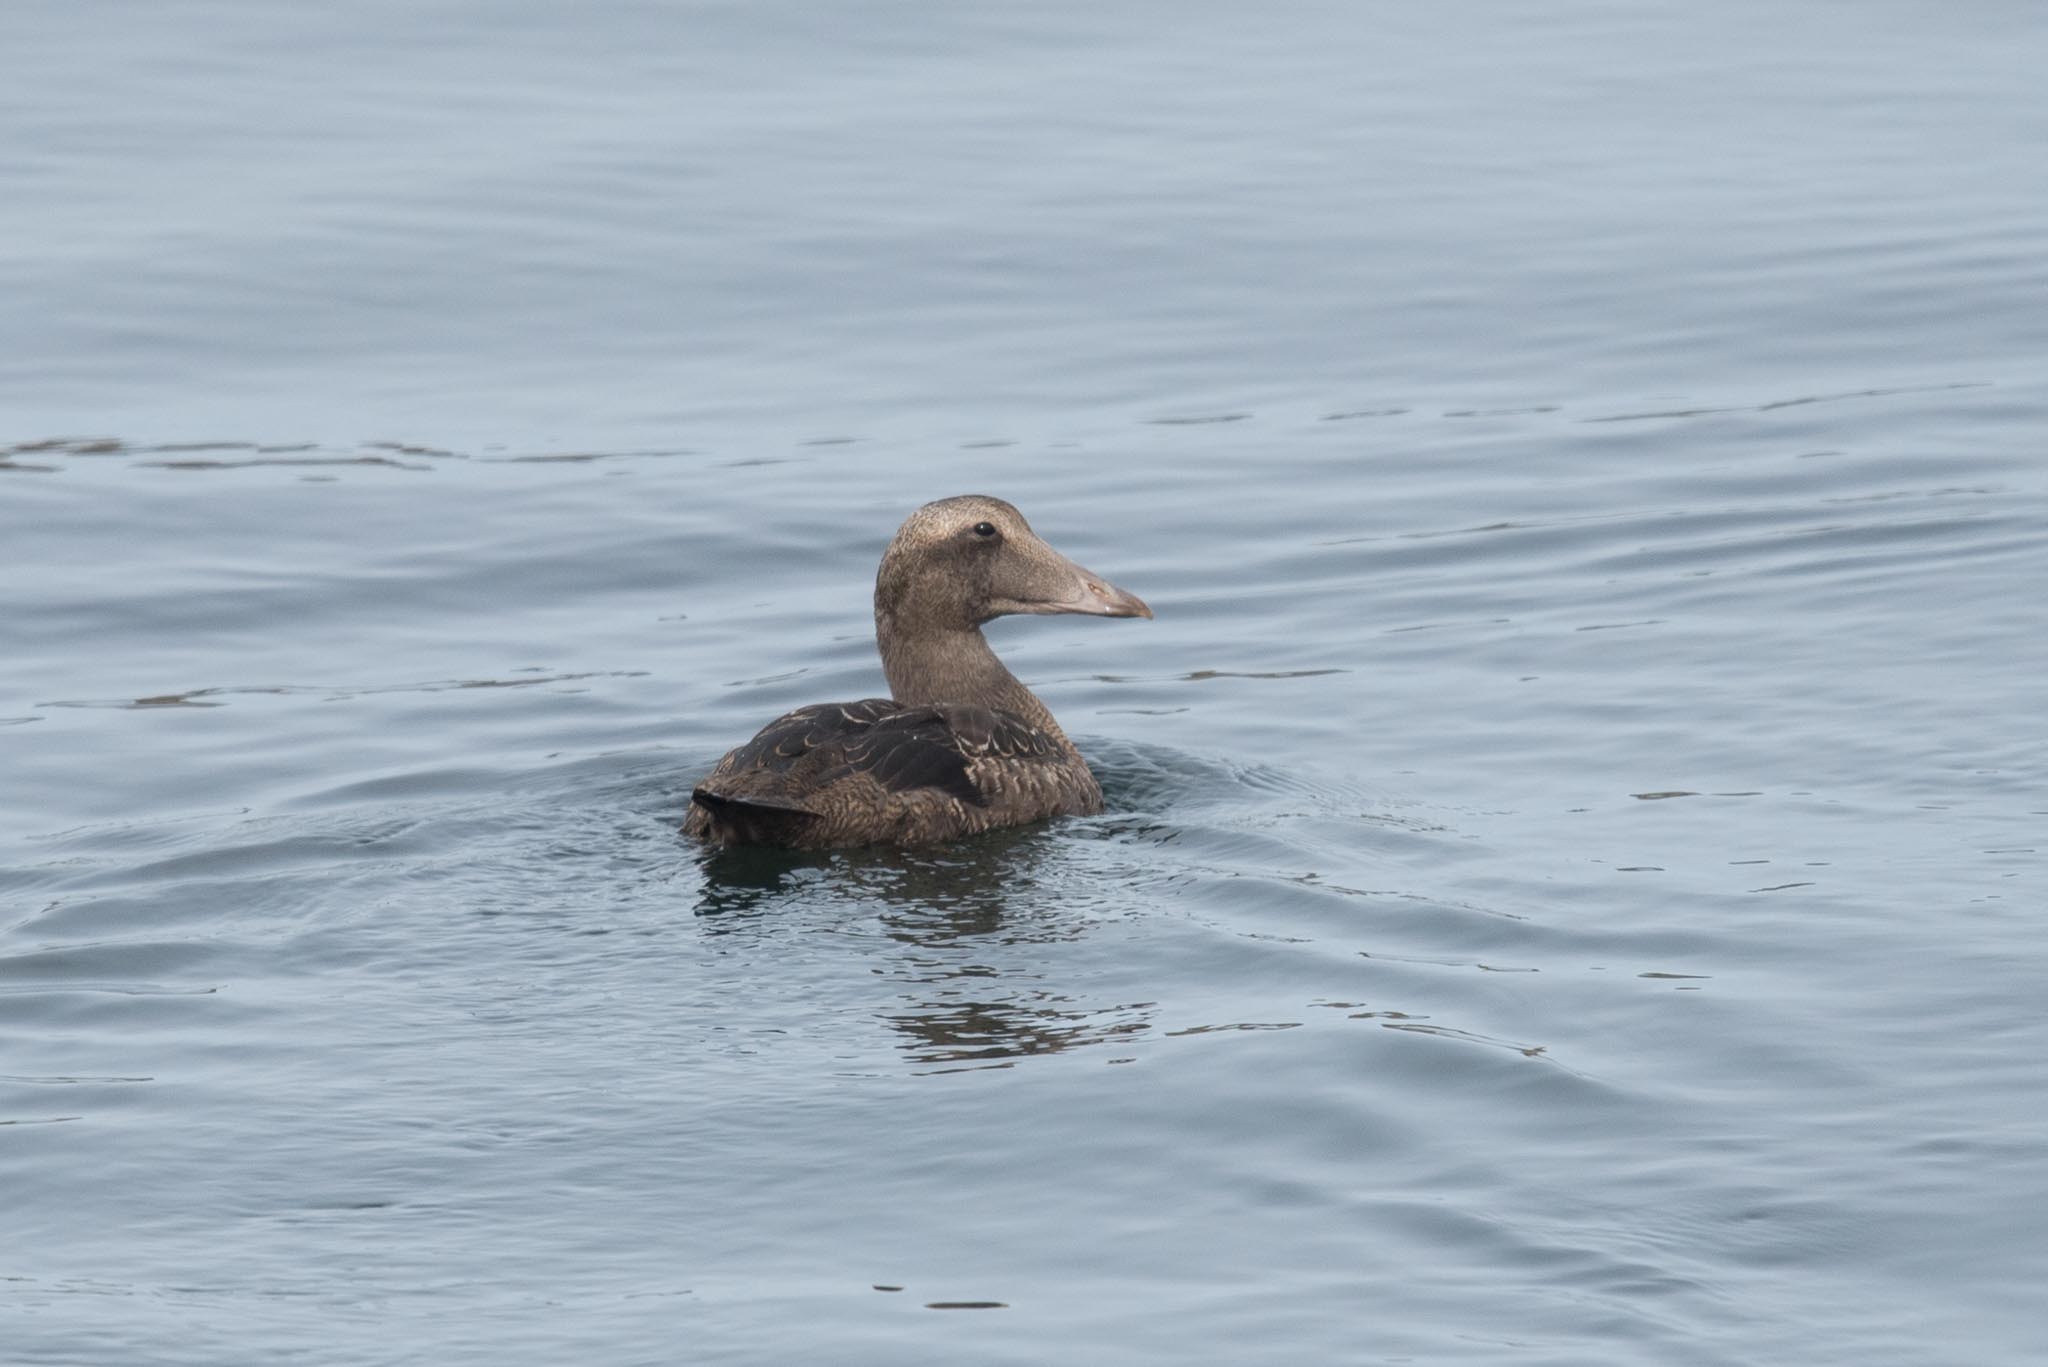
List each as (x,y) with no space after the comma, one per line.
(961,561)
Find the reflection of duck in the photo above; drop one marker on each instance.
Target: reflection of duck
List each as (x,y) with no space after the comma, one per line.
(957,943)
(961,746)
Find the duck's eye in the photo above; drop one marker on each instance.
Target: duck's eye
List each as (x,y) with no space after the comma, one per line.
(984,529)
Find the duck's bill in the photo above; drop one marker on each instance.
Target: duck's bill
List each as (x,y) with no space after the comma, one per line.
(1104,599)
(1089,594)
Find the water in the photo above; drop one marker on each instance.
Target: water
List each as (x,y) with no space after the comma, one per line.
(1570,886)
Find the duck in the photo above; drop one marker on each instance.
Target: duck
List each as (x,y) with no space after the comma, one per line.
(960,745)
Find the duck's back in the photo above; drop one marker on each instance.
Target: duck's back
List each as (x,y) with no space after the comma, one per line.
(879,771)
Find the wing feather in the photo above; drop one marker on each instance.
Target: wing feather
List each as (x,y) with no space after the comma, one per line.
(903,749)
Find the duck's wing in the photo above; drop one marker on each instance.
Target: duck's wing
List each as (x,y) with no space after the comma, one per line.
(947,747)
(815,760)
(901,748)
(982,733)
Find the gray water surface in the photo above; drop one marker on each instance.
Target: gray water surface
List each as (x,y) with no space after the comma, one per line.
(1572,878)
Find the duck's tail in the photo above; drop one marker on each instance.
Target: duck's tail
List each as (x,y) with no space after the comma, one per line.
(747,818)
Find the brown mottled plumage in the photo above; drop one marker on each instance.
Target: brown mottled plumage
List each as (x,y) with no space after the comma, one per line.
(961,746)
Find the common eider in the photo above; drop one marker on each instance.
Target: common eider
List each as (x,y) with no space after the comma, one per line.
(960,745)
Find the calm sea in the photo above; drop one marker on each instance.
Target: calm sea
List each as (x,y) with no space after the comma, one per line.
(1573,884)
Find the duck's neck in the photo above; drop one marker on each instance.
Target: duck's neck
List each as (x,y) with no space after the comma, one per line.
(955,666)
